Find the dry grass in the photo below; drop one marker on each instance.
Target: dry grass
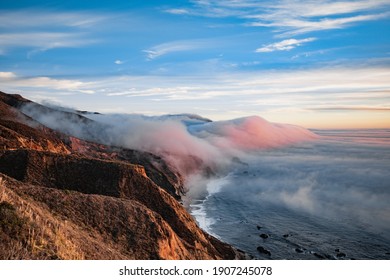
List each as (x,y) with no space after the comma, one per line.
(41,236)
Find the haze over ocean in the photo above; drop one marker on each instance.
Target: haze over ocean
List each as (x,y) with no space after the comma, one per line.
(325,199)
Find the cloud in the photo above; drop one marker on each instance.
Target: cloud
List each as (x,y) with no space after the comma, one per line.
(31,18)
(352,108)
(10,80)
(43,41)
(283,165)
(119,62)
(322,8)
(294,17)
(178,11)
(34,29)
(337,178)
(285,95)
(294,26)
(7,75)
(154,91)
(176,46)
(187,141)
(284,45)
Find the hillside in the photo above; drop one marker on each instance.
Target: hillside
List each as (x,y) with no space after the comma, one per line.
(62,197)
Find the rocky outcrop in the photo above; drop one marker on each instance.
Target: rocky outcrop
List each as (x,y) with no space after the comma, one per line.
(19,131)
(68,198)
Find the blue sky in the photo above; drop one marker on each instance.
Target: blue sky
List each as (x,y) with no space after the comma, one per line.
(312,63)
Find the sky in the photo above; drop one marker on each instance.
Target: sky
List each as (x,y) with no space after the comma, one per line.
(318,64)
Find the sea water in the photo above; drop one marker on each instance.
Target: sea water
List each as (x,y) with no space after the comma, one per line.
(328,198)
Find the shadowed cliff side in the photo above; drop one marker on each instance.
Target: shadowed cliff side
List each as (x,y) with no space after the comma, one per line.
(18,131)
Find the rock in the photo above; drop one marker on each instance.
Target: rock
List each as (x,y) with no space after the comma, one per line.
(258,227)
(264,235)
(341,255)
(264,251)
(329,257)
(286,235)
(337,250)
(319,256)
(299,250)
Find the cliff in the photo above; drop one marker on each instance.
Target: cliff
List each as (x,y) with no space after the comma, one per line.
(62,197)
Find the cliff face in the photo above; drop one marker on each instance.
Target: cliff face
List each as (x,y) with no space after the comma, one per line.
(66,198)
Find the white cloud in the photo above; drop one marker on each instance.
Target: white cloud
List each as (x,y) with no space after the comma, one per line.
(119,62)
(11,81)
(177,46)
(293,26)
(36,18)
(284,45)
(308,8)
(278,95)
(34,29)
(294,17)
(359,83)
(43,41)
(165,92)
(7,75)
(58,84)
(178,11)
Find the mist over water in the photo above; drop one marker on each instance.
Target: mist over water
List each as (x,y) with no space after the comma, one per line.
(183,140)
(313,194)
(326,198)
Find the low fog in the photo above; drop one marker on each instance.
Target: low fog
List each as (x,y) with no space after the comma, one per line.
(281,164)
(343,181)
(180,139)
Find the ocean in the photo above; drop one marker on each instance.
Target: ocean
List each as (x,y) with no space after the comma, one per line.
(324,199)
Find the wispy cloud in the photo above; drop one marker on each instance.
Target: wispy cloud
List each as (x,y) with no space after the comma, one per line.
(317,85)
(294,17)
(43,40)
(284,45)
(7,75)
(45,30)
(176,46)
(321,8)
(351,108)
(178,11)
(273,94)
(47,19)
(10,80)
(154,91)
(293,26)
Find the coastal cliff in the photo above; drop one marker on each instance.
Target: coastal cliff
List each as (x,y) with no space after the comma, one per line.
(62,197)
